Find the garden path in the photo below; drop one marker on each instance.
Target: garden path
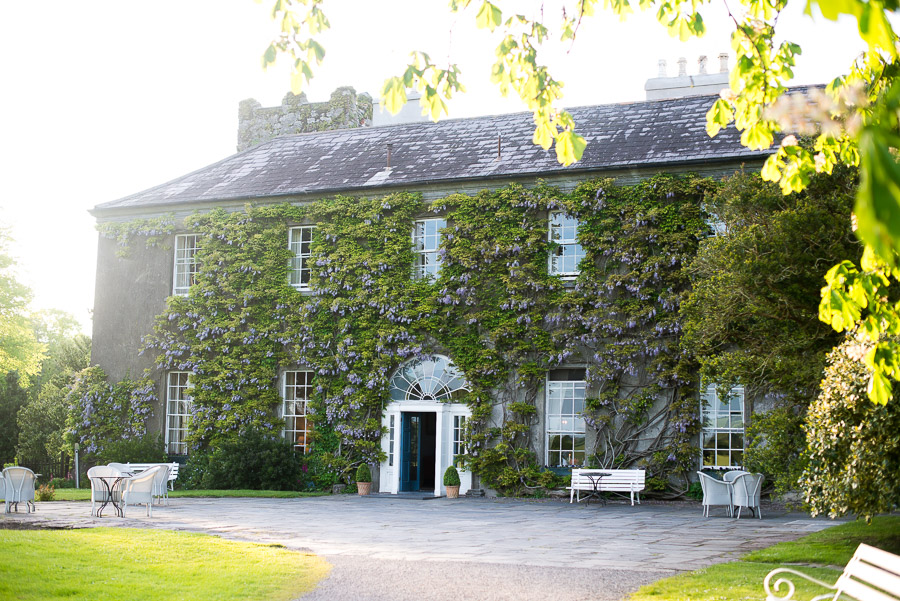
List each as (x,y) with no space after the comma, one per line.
(394,548)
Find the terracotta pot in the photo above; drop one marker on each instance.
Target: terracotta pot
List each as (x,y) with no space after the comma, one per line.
(363,488)
(452,492)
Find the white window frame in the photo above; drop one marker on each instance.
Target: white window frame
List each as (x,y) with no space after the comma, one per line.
(559,422)
(295,395)
(563,231)
(459,439)
(426,239)
(391,433)
(178,411)
(300,260)
(186,247)
(723,428)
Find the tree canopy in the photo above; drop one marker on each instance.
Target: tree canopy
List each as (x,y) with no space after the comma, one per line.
(20,350)
(854,118)
(752,314)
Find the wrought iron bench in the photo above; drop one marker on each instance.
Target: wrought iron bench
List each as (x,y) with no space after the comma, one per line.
(871,575)
(630,481)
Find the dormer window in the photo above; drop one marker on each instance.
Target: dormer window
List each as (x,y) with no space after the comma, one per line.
(567,252)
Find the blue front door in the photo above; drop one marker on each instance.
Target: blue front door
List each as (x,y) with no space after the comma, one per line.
(410,451)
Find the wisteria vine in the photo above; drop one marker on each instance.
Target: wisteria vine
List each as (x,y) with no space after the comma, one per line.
(494,309)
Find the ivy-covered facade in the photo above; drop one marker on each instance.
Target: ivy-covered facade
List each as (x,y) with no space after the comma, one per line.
(395,297)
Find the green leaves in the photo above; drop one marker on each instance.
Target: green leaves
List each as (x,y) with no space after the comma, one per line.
(840,307)
(488,17)
(878,202)
(718,117)
(569,147)
(297,28)
(393,95)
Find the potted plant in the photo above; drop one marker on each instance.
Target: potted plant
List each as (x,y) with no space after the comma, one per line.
(451,482)
(363,479)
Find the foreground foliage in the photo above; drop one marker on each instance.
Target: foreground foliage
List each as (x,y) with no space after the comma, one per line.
(150,565)
(743,579)
(853,444)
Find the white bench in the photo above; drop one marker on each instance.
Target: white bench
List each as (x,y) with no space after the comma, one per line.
(871,575)
(137,468)
(630,481)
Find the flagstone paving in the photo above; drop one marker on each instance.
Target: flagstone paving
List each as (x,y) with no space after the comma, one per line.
(385,547)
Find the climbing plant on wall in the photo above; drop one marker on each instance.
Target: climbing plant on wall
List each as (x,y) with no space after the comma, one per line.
(622,319)
(494,309)
(102,413)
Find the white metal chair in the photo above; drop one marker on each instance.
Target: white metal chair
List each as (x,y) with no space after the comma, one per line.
(99,491)
(18,488)
(747,488)
(715,492)
(139,489)
(732,475)
(161,484)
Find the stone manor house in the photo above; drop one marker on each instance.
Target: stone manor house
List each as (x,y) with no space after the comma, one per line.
(302,151)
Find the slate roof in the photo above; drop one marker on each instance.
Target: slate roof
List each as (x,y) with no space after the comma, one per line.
(633,135)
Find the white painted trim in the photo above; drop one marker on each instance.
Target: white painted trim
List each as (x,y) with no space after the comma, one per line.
(389,476)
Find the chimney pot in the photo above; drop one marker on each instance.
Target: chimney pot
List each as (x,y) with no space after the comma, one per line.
(662,68)
(701,65)
(723,62)
(682,67)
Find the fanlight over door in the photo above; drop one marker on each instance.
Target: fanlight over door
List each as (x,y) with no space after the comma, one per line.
(432,379)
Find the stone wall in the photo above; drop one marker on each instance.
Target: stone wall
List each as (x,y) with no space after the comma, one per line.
(296,115)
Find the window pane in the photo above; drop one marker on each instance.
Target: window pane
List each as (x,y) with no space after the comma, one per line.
(722,440)
(295,393)
(300,245)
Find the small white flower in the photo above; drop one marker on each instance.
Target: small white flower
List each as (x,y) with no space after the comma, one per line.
(789,141)
(820,163)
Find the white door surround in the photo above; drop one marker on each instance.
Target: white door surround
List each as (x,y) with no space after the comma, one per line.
(423,386)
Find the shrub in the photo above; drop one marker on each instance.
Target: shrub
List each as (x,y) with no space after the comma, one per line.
(45,492)
(853,445)
(255,461)
(148,448)
(363,474)
(451,477)
(695,491)
(777,442)
(61,483)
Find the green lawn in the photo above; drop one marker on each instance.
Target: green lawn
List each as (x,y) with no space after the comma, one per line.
(84,494)
(742,580)
(148,565)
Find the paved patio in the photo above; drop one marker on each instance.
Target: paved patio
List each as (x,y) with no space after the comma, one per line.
(397,548)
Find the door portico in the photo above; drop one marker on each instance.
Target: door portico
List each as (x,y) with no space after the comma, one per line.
(422,391)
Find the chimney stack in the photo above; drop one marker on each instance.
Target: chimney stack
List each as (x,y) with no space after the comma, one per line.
(683,85)
(723,62)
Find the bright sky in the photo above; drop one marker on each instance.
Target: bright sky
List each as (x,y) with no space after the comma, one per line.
(104,98)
